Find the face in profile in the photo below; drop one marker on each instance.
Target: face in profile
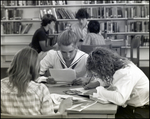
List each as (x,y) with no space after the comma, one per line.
(83,22)
(52,25)
(68,52)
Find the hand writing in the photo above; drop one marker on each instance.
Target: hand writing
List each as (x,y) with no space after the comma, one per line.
(91,85)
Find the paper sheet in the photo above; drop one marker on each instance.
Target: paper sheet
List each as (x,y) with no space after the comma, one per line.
(82,106)
(57,98)
(82,90)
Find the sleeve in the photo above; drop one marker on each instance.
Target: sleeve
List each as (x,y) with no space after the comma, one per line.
(124,86)
(46,101)
(42,36)
(47,62)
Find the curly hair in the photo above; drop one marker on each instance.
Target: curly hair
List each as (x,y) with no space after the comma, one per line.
(82,13)
(24,68)
(105,62)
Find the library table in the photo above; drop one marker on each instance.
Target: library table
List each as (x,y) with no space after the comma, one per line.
(97,110)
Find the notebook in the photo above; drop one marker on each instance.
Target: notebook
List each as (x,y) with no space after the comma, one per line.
(63,75)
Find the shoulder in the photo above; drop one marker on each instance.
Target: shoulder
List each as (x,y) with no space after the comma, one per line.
(81,53)
(52,52)
(37,87)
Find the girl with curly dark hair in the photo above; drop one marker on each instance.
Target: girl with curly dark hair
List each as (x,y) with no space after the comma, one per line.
(127,85)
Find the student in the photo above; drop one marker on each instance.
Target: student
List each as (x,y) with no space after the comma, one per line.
(67,56)
(128,85)
(93,36)
(80,28)
(41,41)
(20,94)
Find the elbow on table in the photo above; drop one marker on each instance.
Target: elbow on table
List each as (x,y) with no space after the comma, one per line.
(120,100)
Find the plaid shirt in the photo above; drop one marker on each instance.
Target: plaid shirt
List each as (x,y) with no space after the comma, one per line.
(37,100)
(94,39)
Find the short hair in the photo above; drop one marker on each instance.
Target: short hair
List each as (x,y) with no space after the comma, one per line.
(47,19)
(94,26)
(105,62)
(24,68)
(82,13)
(67,37)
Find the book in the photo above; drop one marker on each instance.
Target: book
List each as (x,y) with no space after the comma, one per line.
(54,12)
(28,28)
(24,28)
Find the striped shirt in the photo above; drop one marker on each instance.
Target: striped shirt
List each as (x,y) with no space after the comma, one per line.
(36,101)
(93,39)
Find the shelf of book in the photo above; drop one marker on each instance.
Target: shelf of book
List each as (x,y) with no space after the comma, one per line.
(99,19)
(80,5)
(10,35)
(129,33)
(117,18)
(15,44)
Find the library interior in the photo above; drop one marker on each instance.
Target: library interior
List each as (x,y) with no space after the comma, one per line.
(123,24)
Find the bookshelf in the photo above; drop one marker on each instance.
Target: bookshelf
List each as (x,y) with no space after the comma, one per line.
(106,12)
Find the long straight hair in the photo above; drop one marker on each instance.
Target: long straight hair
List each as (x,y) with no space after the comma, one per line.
(23,69)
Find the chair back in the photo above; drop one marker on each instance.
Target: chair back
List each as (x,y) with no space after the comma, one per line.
(31,116)
(88,48)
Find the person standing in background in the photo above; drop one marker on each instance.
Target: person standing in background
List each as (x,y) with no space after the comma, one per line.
(80,28)
(41,41)
(94,36)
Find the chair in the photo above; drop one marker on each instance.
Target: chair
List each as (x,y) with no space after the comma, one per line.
(89,48)
(135,44)
(31,116)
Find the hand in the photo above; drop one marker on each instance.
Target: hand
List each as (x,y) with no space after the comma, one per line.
(50,80)
(112,88)
(67,103)
(77,81)
(91,85)
(90,92)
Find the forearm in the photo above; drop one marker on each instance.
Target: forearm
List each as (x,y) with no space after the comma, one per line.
(111,96)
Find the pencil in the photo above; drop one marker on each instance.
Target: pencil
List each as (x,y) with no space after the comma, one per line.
(90,80)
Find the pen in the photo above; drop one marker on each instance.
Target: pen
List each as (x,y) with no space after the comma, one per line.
(90,79)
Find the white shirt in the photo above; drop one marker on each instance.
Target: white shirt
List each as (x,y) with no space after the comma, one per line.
(132,88)
(54,59)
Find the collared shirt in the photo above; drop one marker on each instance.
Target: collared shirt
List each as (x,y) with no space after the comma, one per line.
(54,59)
(81,32)
(37,100)
(132,88)
(93,39)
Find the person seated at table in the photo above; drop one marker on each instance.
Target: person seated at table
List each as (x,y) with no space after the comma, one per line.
(127,85)
(93,36)
(20,94)
(41,40)
(67,56)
